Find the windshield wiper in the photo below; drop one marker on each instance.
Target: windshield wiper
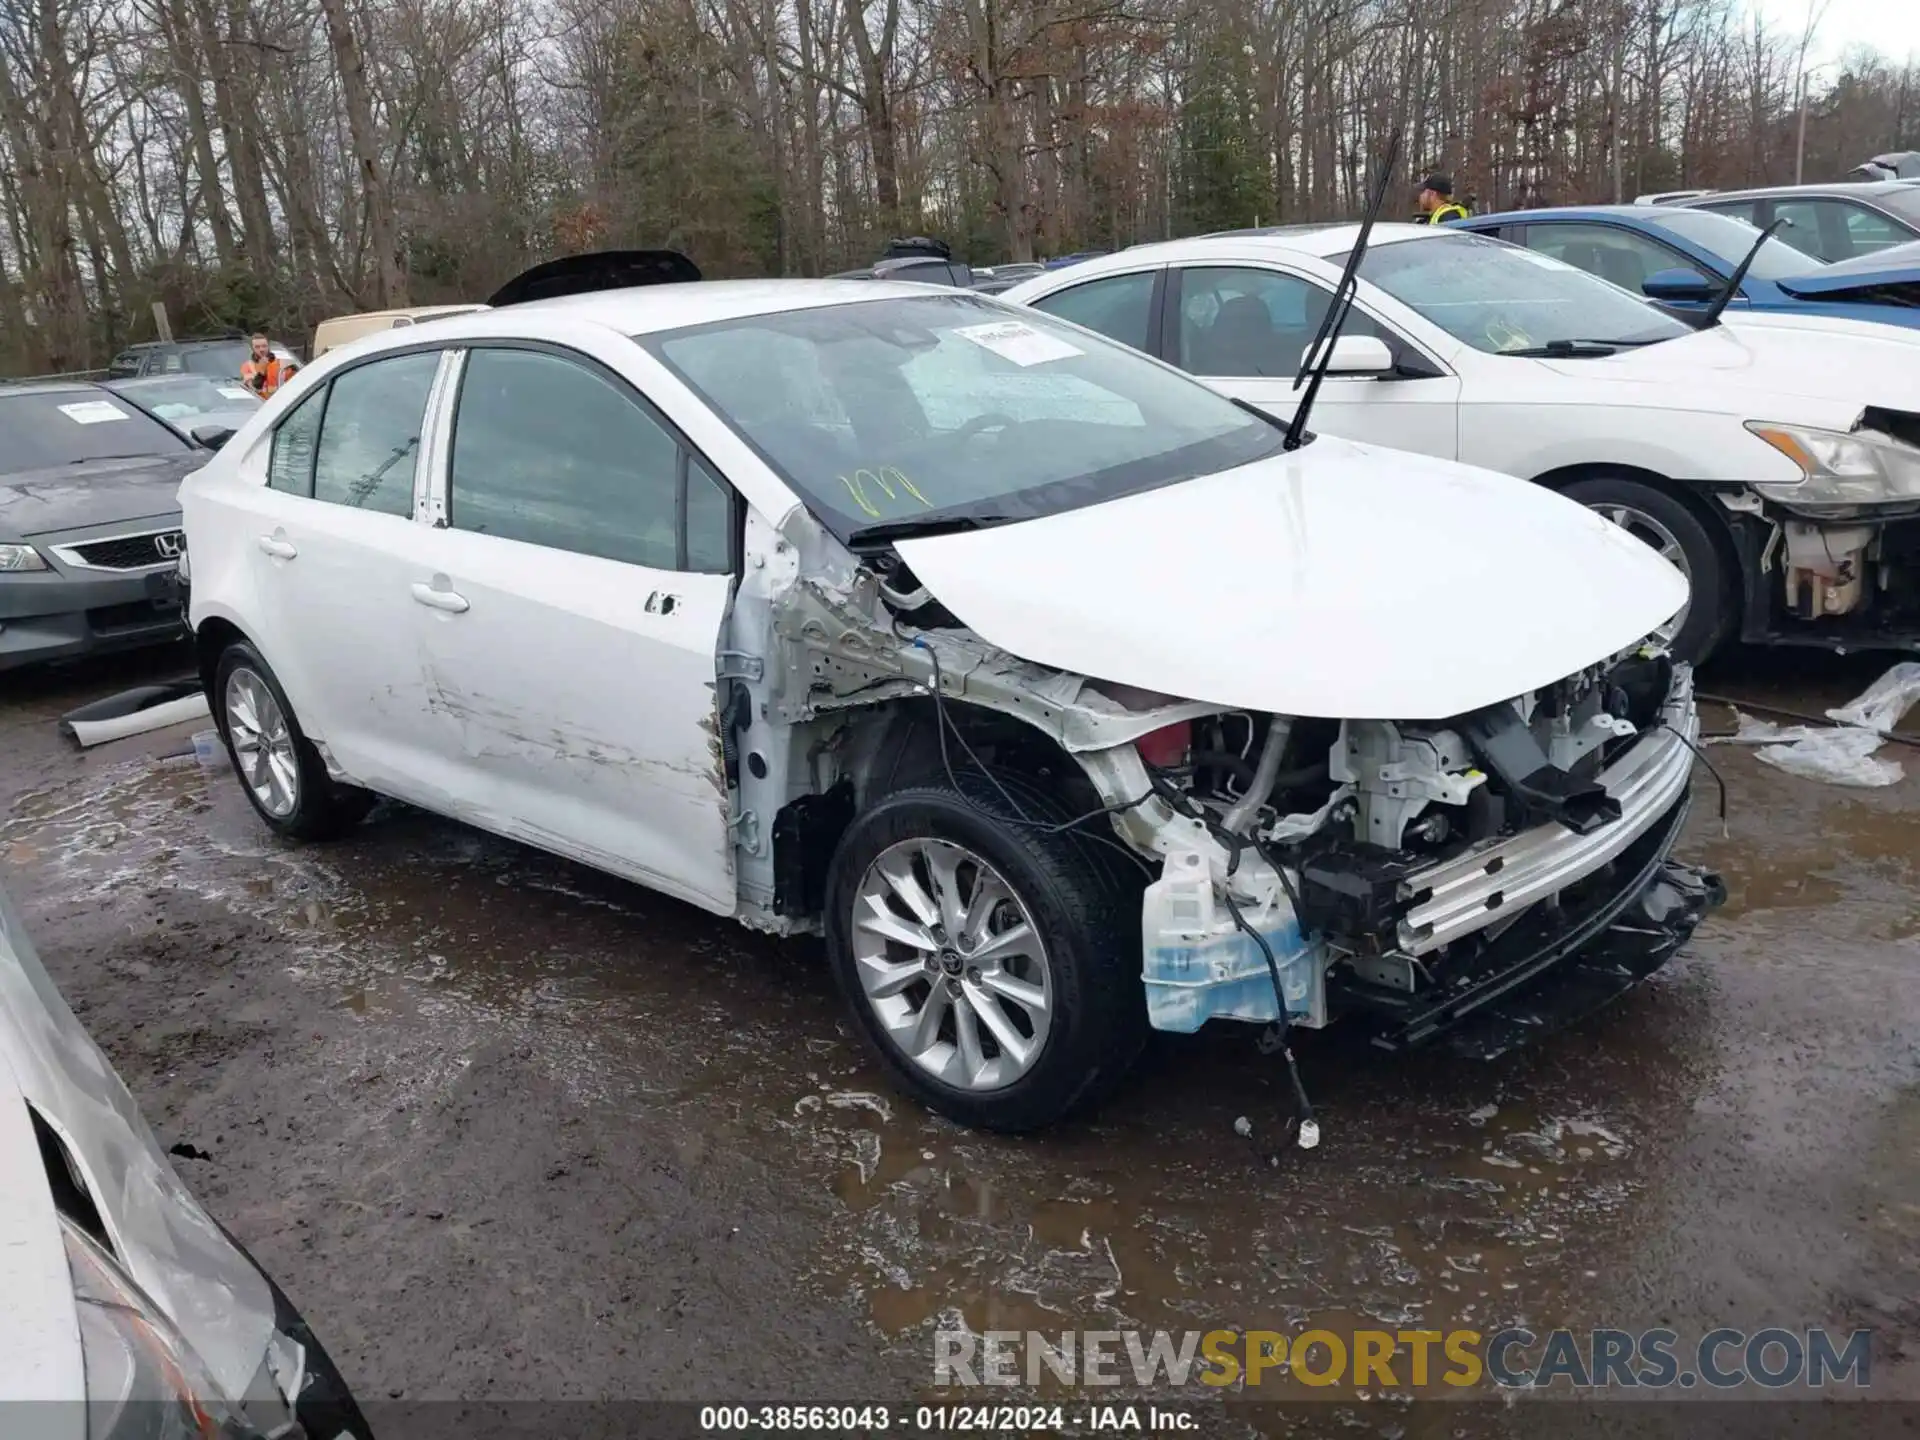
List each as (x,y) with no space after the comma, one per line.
(1572,349)
(91,459)
(1322,348)
(887,531)
(1711,317)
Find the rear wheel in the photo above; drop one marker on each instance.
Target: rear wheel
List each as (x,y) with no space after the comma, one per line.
(1668,525)
(283,776)
(994,966)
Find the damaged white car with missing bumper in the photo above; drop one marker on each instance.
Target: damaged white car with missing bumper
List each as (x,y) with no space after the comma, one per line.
(1060,694)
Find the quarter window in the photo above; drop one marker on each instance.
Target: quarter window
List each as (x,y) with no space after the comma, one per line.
(1119,307)
(370,436)
(290,465)
(1253,323)
(554,453)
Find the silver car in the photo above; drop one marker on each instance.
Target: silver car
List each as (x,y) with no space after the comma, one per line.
(130,1313)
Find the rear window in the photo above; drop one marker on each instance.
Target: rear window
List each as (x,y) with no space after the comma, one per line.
(66,427)
(222,360)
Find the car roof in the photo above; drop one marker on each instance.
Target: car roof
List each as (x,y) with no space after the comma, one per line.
(46,387)
(1836,187)
(649,309)
(1320,241)
(1643,214)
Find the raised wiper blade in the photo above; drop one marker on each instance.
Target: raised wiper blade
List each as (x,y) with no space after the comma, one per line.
(889,530)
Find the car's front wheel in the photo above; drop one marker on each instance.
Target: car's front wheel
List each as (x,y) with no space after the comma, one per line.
(994,964)
(1669,526)
(283,776)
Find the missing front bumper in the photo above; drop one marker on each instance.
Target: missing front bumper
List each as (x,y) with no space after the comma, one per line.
(1558,963)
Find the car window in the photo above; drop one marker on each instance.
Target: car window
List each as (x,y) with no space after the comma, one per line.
(185,398)
(42,429)
(1746,210)
(1814,226)
(950,406)
(1618,255)
(551,452)
(1119,307)
(217,360)
(370,434)
(290,464)
(1868,230)
(1249,322)
(1499,298)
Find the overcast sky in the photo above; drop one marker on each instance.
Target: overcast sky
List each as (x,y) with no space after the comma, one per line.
(1890,26)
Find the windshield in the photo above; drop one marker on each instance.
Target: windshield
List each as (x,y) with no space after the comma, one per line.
(62,427)
(182,399)
(951,407)
(1730,239)
(1497,297)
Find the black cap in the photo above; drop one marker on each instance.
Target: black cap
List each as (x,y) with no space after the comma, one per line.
(1439,184)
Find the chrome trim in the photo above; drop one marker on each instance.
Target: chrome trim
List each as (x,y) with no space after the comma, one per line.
(69,552)
(1647,780)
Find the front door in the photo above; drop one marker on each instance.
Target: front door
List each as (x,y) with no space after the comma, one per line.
(568,609)
(1245,329)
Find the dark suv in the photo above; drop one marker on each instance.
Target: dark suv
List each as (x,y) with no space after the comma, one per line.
(220,359)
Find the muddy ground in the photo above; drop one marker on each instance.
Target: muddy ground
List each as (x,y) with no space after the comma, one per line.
(505,1128)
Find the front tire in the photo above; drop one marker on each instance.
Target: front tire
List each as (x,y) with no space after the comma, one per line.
(1669,525)
(282,775)
(993,965)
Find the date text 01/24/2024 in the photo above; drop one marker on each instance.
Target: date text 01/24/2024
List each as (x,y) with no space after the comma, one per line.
(945,1419)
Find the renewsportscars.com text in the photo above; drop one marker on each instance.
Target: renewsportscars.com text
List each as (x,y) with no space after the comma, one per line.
(1773,1358)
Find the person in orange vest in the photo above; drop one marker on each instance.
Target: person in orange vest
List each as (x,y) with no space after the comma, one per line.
(264,372)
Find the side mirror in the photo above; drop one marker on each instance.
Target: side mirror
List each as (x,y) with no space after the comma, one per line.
(1679,286)
(212,437)
(1355,355)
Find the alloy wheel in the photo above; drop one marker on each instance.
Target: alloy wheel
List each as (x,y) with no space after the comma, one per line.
(950,960)
(262,743)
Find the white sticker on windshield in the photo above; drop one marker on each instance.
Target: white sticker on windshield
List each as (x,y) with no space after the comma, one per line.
(1020,343)
(234,392)
(93,412)
(1545,262)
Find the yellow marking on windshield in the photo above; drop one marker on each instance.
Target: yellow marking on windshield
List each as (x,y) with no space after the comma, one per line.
(885,479)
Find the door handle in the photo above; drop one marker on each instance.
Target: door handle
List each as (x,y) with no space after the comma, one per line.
(439,599)
(278,548)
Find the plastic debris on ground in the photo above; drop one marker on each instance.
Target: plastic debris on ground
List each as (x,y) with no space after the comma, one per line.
(1847,752)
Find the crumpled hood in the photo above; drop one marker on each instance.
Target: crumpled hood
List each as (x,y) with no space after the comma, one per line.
(221,1303)
(1341,581)
(1754,368)
(41,502)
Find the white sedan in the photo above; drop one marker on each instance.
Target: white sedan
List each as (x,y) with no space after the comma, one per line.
(1061,695)
(1776,460)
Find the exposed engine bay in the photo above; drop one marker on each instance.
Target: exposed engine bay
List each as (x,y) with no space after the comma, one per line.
(1403,850)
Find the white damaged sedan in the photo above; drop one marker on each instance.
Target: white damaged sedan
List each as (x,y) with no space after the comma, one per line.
(1059,693)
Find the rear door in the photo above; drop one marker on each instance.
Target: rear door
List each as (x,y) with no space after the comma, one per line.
(334,544)
(568,610)
(1244,330)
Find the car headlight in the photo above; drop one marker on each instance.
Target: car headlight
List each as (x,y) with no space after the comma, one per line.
(1840,471)
(143,1380)
(20,557)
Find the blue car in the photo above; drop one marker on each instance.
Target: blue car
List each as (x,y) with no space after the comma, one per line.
(1683,258)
